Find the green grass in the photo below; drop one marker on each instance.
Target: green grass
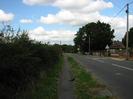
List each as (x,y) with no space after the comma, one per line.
(46,86)
(85,86)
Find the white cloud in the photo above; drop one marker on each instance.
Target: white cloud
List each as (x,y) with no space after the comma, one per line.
(73,5)
(37,2)
(77,19)
(74,18)
(5,17)
(38,31)
(50,19)
(118,24)
(75,12)
(58,18)
(54,36)
(80,12)
(83,5)
(26,21)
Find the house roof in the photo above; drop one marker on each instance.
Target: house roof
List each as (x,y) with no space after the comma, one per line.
(117,45)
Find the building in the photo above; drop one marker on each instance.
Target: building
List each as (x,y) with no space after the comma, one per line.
(116,47)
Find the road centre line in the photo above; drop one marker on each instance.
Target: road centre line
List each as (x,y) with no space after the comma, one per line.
(116,65)
(122,67)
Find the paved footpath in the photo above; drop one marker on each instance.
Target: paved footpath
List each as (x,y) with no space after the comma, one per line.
(65,87)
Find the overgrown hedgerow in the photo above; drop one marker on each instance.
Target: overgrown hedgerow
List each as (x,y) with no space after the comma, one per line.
(21,62)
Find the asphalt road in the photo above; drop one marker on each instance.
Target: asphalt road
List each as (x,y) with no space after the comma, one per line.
(116,74)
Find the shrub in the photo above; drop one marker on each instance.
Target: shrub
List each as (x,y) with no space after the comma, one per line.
(21,62)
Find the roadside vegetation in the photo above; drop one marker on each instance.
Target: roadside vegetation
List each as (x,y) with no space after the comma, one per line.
(130,41)
(46,86)
(68,48)
(85,86)
(27,68)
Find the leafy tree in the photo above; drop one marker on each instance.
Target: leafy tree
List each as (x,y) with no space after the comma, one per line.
(7,32)
(130,38)
(130,41)
(100,35)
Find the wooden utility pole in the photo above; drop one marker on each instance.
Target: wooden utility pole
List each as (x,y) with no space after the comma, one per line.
(127,53)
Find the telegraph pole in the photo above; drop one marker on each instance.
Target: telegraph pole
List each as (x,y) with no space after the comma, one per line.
(127,11)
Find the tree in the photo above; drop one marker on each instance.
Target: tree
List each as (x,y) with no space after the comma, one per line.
(67,48)
(100,35)
(130,42)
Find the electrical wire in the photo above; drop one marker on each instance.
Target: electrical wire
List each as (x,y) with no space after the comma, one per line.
(121,10)
(117,13)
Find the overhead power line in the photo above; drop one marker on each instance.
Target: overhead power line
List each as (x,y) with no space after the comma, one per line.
(116,4)
(121,10)
(118,13)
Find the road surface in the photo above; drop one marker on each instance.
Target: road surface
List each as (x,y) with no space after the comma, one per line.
(116,74)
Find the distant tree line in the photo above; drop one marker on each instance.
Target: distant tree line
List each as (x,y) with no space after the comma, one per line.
(68,48)
(22,60)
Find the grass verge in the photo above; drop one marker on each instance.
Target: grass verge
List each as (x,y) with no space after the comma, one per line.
(46,86)
(85,86)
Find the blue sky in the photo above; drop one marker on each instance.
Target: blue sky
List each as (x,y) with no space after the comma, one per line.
(58,20)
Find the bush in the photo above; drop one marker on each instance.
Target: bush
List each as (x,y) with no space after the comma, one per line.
(21,62)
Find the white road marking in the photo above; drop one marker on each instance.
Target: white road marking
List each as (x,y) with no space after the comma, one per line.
(101,61)
(122,67)
(118,59)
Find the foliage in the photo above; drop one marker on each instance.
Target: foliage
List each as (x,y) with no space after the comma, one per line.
(46,86)
(130,38)
(100,35)
(22,61)
(67,48)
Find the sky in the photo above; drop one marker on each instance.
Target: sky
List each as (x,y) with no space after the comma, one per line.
(56,21)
